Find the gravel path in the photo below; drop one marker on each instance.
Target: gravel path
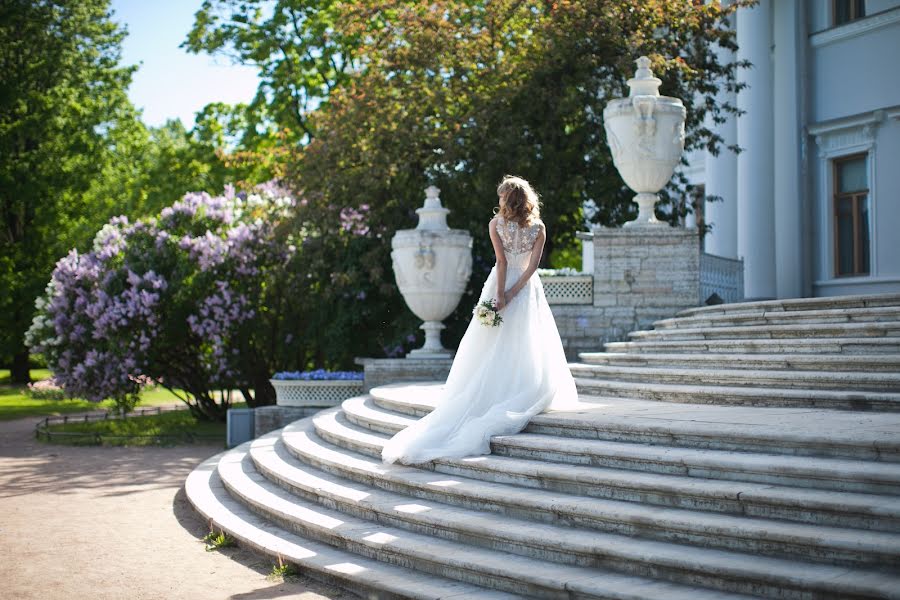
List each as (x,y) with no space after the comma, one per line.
(111,523)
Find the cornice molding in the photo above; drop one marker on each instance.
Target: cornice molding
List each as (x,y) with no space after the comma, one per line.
(848,134)
(855,28)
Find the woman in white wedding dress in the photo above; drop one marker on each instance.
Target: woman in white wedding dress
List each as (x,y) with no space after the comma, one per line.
(501,376)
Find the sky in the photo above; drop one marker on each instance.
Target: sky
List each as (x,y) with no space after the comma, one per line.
(170,83)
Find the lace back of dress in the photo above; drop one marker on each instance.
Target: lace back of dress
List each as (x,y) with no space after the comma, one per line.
(517,239)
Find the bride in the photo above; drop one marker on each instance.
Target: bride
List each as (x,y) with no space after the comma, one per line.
(501,376)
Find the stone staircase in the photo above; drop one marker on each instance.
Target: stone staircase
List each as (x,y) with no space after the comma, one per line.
(725,454)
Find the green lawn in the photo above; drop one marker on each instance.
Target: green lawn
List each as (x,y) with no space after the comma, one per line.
(167,428)
(15,404)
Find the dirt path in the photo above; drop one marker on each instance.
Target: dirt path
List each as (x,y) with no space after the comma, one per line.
(112,523)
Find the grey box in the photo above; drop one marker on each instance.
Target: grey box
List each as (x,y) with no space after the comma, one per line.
(240,426)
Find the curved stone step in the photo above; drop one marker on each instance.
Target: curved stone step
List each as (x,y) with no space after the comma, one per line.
(837,346)
(797,304)
(766,318)
(777,469)
(890,329)
(803,505)
(539,540)
(497,570)
(806,380)
(872,363)
(363,576)
(776,430)
(742,396)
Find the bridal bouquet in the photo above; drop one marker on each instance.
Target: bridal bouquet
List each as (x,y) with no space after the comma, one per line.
(487,313)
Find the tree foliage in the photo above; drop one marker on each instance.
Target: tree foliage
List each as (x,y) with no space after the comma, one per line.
(74,152)
(458,93)
(61,92)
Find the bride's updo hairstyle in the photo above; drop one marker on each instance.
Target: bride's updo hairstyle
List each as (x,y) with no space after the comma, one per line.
(521,203)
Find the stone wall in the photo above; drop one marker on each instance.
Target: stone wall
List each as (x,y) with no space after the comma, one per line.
(641,275)
(270,418)
(384,371)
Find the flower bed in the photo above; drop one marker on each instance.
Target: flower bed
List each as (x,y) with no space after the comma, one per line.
(317,388)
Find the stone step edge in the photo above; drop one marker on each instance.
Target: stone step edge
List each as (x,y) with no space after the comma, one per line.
(874,401)
(847,301)
(363,412)
(776,362)
(724,532)
(742,498)
(324,563)
(839,342)
(555,424)
(878,329)
(504,571)
(547,540)
(851,379)
(846,315)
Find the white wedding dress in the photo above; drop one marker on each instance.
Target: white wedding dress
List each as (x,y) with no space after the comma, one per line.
(501,376)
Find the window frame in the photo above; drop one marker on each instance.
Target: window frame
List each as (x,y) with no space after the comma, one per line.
(856,197)
(853,12)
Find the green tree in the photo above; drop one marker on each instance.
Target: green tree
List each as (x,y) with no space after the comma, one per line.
(299,46)
(62,91)
(458,93)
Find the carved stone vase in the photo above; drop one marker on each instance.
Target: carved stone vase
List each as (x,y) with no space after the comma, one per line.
(646,135)
(432,264)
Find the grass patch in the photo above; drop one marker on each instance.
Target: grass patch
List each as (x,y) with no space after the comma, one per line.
(36,375)
(217,541)
(283,570)
(149,430)
(16,404)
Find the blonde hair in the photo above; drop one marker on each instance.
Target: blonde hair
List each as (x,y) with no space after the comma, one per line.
(521,203)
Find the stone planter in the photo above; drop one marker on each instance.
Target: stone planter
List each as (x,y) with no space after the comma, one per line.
(432,264)
(646,135)
(315,393)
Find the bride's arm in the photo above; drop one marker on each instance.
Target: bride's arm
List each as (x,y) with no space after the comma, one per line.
(501,262)
(533,261)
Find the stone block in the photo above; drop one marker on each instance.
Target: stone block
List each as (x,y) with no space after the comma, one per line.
(382,371)
(270,418)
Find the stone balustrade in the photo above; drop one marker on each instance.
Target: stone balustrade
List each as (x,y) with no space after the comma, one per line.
(721,276)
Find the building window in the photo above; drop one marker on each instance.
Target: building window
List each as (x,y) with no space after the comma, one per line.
(851,216)
(844,11)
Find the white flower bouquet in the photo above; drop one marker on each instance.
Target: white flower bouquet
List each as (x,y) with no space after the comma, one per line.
(487,313)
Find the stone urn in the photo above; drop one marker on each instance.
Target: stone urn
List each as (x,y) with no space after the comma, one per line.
(646,135)
(432,264)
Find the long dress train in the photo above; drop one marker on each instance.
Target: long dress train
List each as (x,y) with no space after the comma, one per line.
(501,376)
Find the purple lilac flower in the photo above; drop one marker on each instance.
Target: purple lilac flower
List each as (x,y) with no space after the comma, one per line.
(354,221)
(103,311)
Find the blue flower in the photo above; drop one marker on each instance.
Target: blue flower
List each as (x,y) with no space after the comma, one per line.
(318,375)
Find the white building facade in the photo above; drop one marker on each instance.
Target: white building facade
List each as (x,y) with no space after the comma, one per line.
(812,203)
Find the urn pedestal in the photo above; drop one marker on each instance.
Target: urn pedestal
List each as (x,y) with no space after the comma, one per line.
(432,264)
(646,135)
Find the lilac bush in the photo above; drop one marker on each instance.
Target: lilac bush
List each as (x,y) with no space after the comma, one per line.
(175,299)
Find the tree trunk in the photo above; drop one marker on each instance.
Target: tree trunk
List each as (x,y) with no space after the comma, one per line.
(263,392)
(19,372)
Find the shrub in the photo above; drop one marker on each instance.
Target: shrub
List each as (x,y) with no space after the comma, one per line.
(180,299)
